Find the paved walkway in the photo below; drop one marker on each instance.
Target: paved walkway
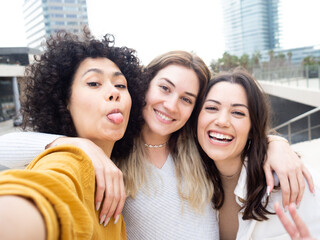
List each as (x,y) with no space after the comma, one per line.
(7,126)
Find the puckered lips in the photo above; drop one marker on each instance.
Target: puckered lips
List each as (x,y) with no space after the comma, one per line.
(163,117)
(115,116)
(220,138)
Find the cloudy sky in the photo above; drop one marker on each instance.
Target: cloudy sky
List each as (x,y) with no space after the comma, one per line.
(153,27)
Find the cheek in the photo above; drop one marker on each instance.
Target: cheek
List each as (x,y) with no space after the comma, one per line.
(201,129)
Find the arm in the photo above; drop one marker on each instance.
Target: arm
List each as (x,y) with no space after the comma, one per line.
(20,213)
(298,229)
(289,168)
(19,148)
(109,179)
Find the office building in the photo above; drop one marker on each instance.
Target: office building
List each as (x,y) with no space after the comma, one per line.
(251,25)
(45,17)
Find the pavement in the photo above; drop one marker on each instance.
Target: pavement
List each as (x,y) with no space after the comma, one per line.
(7,127)
(309,150)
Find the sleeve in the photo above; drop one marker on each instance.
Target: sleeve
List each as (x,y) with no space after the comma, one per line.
(17,149)
(60,182)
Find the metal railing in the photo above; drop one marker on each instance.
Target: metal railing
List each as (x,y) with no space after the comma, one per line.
(309,130)
(294,75)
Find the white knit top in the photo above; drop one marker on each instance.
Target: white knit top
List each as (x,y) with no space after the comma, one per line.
(156,212)
(17,149)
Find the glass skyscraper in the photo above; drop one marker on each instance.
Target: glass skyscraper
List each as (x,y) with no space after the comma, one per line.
(251,25)
(44,17)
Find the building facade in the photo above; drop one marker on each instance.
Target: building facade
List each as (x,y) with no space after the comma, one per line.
(45,17)
(12,66)
(251,25)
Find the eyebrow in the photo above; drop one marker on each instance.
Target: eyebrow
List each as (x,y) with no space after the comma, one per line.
(233,105)
(99,71)
(188,93)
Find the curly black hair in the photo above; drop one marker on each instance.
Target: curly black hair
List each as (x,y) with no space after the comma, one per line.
(49,80)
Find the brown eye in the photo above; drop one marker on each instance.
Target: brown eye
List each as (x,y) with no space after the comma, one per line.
(93,84)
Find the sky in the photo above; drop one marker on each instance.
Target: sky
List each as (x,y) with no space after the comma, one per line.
(153,27)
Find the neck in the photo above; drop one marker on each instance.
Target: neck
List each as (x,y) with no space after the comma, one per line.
(106,146)
(152,138)
(229,168)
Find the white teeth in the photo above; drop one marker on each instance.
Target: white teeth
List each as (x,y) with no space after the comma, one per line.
(163,116)
(220,136)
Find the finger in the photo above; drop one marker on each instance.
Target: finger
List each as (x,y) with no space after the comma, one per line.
(309,178)
(290,228)
(108,199)
(294,187)
(302,186)
(301,226)
(122,199)
(116,197)
(100,189)
(269,178)
(285,188)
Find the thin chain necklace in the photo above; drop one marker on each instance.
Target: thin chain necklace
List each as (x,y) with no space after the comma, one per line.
(156,146)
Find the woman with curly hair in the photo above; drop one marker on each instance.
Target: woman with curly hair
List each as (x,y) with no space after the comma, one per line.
(78,87)
(232,128)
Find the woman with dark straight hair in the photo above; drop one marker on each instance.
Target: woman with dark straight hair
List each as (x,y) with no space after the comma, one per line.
(232,128)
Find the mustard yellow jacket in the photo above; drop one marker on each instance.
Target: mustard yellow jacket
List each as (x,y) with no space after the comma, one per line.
(61,183)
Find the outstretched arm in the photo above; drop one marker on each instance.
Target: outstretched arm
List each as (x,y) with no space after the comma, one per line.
(18,213)
(110,190)
(17,149)
(298,229)
(289,168)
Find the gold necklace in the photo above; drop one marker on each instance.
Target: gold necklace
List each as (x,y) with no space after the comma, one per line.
(156,146)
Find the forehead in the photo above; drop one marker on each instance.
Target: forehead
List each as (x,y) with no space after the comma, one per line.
(228,92)
(179,75)
(104,64)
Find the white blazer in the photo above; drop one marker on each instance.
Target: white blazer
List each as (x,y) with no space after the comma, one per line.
(272,229)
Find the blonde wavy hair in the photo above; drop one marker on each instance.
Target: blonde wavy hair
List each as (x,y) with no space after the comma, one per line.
(192,182)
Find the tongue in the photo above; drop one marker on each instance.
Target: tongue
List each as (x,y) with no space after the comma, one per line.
(115,117)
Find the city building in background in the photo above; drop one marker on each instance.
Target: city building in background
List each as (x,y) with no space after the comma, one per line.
(44,17)
(12,66)
(296,54)
(251,25)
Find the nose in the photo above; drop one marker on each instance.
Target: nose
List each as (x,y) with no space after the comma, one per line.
(223,119)
(113,95)
(171,104)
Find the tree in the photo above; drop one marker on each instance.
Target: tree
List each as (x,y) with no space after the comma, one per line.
(244,61)
(255,59)
(289,55)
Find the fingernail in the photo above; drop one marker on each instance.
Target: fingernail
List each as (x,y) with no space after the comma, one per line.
(286,208)
(106,222)
(268,191)
(103,218)
(117,218)
(98,206)
(297,205)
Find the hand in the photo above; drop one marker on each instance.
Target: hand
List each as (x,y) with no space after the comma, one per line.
(109,178)
(297,230)
(289,169)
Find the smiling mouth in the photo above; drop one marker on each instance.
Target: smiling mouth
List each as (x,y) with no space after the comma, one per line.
(220,137)
(162,116)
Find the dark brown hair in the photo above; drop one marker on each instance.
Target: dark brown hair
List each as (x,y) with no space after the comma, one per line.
(255,150)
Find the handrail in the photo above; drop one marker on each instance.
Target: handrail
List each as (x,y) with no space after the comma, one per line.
(308,129)
(297,118)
